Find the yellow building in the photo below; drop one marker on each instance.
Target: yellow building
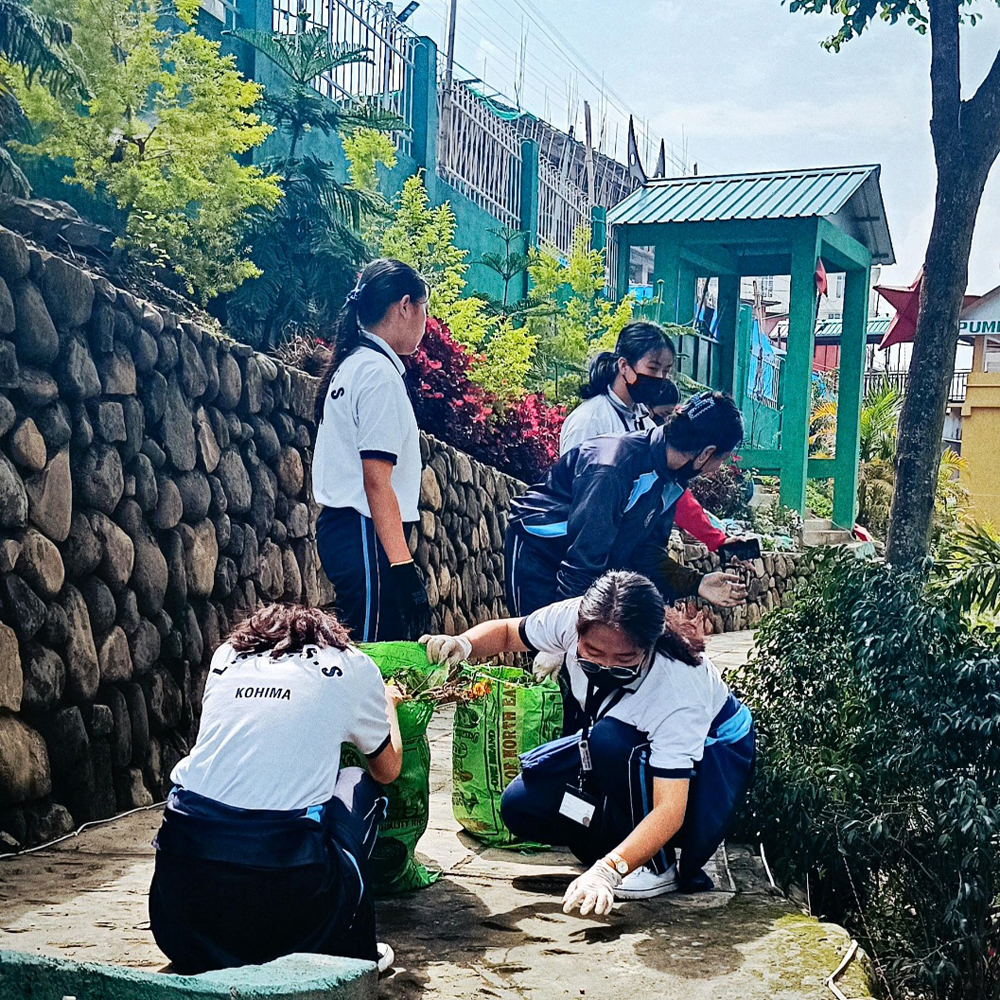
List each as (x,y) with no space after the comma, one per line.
(981,410)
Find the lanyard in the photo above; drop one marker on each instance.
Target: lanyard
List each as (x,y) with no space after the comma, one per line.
(620,413)
(593,711)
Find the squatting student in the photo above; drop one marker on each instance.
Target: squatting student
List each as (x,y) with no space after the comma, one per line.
(662,757)
(265,839)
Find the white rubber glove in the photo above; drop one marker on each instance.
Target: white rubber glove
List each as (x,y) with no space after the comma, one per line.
(446,649)
(593,890)
(547,665)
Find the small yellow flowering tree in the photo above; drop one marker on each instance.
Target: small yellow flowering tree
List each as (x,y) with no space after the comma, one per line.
(160,133)
(576,320)
(425,238)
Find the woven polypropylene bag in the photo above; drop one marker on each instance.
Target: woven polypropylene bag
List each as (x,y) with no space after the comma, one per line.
(393,866)
(490,735)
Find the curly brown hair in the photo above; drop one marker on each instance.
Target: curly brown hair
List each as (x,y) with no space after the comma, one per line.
(280,629)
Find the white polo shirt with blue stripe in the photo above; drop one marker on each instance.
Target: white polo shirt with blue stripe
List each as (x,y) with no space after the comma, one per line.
(367,414)
(271,728)
(674,704)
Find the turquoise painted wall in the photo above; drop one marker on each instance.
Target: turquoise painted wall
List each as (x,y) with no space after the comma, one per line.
(472,222)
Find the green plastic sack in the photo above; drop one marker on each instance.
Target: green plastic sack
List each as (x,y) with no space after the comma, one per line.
(490,734)
(393,867)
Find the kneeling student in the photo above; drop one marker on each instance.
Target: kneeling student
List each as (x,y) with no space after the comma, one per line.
(265,840)
(664,756)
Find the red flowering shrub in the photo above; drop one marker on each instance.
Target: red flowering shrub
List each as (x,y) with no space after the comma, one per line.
(521,439)
(448,404)
(727,493)
(528,436)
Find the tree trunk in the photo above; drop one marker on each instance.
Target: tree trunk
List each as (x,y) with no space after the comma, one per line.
(966,136)
(921,422)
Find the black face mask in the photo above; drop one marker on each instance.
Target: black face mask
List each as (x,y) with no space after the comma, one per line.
(647,389)
(685,473)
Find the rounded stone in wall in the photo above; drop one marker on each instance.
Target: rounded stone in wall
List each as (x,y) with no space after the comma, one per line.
(24,763)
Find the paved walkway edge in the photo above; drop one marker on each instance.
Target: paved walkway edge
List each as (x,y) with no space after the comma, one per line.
(296,977)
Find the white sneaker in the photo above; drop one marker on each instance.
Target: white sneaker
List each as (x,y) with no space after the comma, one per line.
(386,956)
(644,883)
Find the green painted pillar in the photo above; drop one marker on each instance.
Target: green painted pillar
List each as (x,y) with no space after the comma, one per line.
(425,112)
(687,292)
(796,375)
(683,315)
(529,200)
(729,309)
(666,268)
(741,361)
(598,228)
(849,397)
(622,235)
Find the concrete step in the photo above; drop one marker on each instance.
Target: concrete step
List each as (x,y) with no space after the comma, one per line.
(817,524)
(810,539)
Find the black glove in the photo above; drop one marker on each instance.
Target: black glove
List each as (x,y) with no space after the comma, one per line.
(415,609)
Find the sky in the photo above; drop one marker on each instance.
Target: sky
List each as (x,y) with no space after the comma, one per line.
(736,85)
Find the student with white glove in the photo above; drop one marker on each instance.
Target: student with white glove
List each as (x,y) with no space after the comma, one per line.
(663,755)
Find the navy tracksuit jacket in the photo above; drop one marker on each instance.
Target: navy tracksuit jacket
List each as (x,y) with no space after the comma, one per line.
(608,504)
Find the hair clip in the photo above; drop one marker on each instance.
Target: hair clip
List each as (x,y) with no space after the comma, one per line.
(698,404)
(355,293)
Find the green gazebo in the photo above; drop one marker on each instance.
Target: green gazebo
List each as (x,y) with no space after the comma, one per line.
(782,223)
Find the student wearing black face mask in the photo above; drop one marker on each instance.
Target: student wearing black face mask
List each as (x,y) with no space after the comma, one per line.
(623,383)
(662,758)
(609,504)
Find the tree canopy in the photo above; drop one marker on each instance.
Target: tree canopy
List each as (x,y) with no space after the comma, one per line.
(160,131)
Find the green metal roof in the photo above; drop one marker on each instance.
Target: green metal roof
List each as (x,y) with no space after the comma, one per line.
(831,329)
(849,197)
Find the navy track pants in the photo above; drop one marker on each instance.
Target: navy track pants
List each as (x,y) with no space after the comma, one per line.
(238,887)
(622,781)
(357,566)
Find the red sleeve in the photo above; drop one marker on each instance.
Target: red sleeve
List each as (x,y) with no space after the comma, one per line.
(689,515)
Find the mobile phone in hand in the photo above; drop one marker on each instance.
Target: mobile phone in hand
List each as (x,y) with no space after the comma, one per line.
(745,550)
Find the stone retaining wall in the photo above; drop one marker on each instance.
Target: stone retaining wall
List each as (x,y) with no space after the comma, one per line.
(776,575)
(154,486)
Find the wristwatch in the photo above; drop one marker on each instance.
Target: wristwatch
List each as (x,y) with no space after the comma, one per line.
(617,862)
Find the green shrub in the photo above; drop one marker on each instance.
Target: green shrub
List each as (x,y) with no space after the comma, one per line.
(878,716)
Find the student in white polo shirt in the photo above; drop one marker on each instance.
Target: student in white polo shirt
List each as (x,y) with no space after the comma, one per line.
(366,463)
(664,755)
(265,839)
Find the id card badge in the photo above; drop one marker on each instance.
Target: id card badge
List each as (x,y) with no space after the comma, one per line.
(578,806)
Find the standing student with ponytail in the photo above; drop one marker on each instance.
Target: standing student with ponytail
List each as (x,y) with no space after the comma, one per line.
(622,382)
(366,464)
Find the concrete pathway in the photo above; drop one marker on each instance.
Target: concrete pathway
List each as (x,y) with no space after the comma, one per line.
(491,927)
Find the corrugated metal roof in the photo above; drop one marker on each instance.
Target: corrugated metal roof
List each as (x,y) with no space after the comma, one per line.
(832,328)
(789,194)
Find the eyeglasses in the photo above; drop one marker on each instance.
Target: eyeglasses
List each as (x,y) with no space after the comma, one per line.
(623,674)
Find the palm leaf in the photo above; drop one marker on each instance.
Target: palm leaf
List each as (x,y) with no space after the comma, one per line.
(37,45)
(304,55)
(362,114)
(971,572)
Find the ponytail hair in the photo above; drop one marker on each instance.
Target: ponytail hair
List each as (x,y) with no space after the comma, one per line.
(380,285)
(634,342)
(707,419)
